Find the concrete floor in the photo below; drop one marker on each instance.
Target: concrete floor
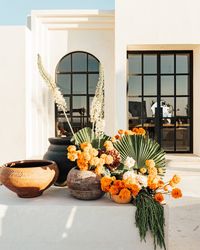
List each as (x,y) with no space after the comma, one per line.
(184,214)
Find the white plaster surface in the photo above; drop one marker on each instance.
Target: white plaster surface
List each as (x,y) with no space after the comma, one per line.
(57,221)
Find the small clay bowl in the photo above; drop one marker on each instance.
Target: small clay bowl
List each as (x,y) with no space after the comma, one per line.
(29,178)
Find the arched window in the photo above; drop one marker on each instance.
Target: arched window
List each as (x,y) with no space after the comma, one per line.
(77,75)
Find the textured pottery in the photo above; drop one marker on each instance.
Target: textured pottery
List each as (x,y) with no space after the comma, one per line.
(84,185)
(57,152)
(29,178)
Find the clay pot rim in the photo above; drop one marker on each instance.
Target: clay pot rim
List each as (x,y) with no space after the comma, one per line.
(41,164)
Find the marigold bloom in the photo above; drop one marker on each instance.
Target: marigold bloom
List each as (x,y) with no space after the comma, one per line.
(72,156)
(119,184)
(150,163)
(121,131)
(118,137)
(108,145)
(106,182)
(143,170)
(71,149)
(176,179)
(159,197)
(86,146)
(114,190)
(176,193)
(108,160)
(124,194)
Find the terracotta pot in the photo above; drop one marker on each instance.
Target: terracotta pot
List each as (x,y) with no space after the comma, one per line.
(84,185)
(29,178)
(117,199)
(57,152)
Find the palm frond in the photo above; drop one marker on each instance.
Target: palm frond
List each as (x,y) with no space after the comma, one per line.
(87,135)
(140,149)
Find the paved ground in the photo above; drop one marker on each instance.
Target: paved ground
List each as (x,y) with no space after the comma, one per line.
(184,214)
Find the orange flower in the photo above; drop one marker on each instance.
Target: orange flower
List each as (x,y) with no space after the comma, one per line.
(85,145)
(150,163)
(161,183)
(124,194)
(171,183)
(119,184)
(143,170)
(114,190)
(135,189)
(152,171)
(135,130)
(71,149)
(166,188)
(176,179)
(83,165)
(128,132)
(109,159)
(113,139)
(159,197)
(106,183)
(118,137)
(72,156)
(108,145)
(98,170)
(121,131)
(176,193)
(152,186)
(141,131)
(152,183)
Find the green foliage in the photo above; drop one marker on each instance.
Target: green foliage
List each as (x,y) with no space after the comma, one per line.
(150,216)
(87,135)
(140,148)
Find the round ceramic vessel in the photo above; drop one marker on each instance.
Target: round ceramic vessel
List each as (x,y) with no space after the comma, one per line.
(84,185)
(29,178)
(57,152)
(117,199)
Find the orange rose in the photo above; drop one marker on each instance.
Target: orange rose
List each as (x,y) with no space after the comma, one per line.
(141,131)
(176,179)
(150,163)
(159,197)
(72,156)
(118,137)
(176,193)
(119,184)
(128,132)
(135,189)
(106,182)
(83,166)
(135,130)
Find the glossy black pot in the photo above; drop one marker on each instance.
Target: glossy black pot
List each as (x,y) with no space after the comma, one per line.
(57,152)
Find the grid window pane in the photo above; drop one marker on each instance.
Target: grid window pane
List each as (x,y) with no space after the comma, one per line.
(79,83)
(135,64)
(150,85)
(167,64)
(79,62)
(150,64)
(135,86)
(182,63)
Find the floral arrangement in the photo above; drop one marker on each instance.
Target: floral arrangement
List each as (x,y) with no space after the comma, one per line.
(101,161)
(141,182)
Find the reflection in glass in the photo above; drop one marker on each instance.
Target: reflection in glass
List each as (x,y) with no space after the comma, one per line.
(93,64)
(65,64)
(167,64)
(92,81)
(135,64)
(182,63)
(182,106)
(79,84)
(150,85)
(79,62)
(182,138)
(134,107)
(135,86)
(182,85)
(149,103)
(64,83)
(167,85)
(79,102)
(150,64)
(167,136)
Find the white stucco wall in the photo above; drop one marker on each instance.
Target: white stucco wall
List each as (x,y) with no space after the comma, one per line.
(155,25)
(12,93)
(53,35)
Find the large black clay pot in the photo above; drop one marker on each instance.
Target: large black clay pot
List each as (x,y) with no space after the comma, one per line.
(57,152)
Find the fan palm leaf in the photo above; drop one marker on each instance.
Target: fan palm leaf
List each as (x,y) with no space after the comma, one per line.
(140,148)
(87,135)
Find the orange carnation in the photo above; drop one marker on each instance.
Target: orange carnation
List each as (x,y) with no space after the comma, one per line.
(159,197)
(176,193)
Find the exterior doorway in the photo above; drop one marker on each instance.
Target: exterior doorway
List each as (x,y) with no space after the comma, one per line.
(160,95)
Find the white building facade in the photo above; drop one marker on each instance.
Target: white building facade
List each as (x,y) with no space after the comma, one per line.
(150,52)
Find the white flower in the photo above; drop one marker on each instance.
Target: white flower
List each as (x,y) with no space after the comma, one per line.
(129,174)
(142,180)
(129,162)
